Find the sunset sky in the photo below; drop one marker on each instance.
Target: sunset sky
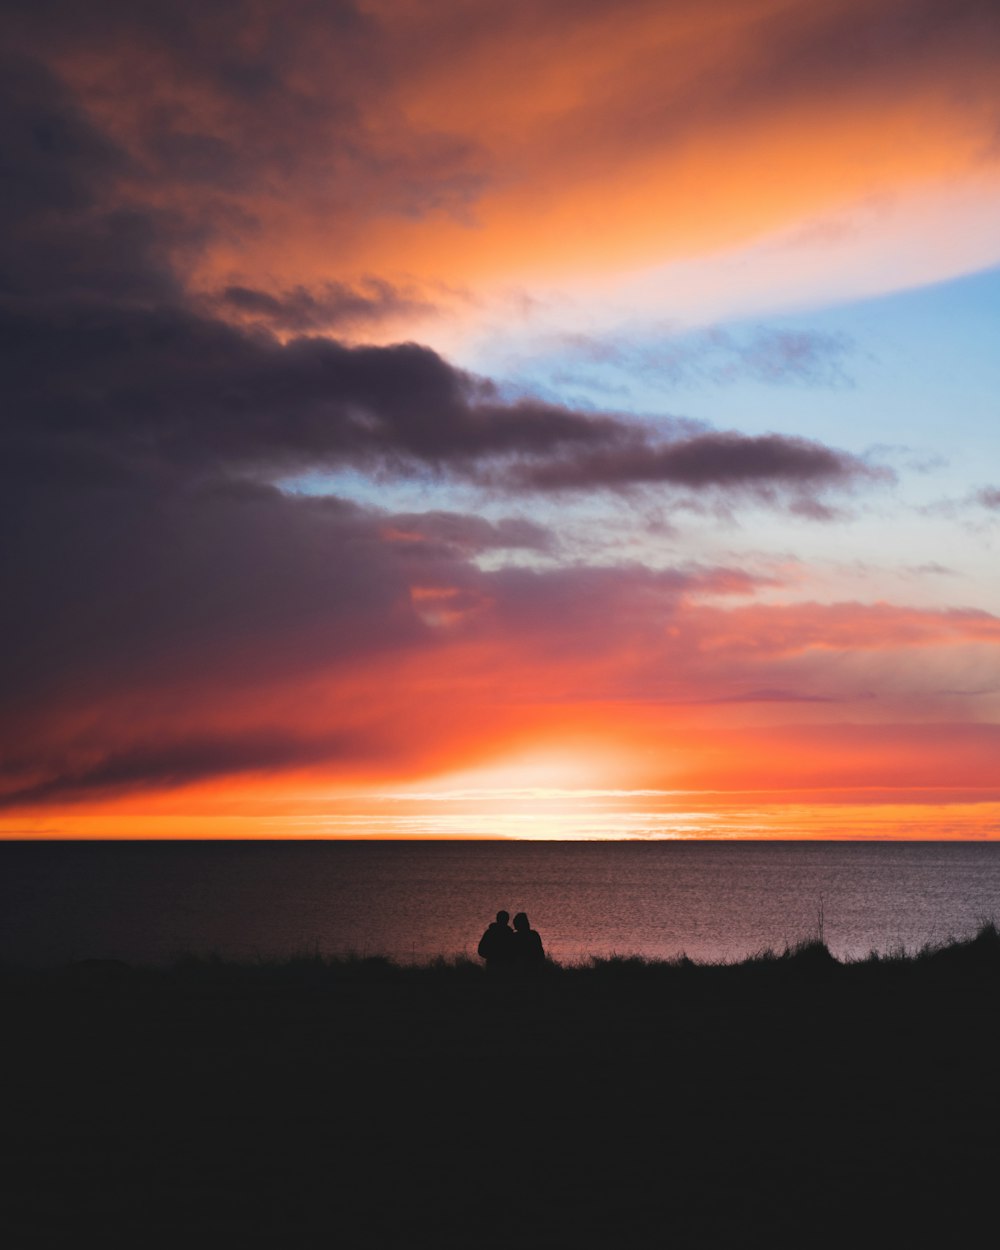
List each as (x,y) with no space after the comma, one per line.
(550,419)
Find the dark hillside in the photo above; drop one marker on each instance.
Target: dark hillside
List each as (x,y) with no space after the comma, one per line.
(785,1100)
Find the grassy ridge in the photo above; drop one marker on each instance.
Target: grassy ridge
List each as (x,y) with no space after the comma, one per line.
(787,1099)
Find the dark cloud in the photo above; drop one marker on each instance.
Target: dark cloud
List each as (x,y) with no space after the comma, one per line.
(159,583)
(178,762)
(167,386)
(333,306)
(875,47)
(989,497)
(722,461)
(61,233)
(163,387)
(242,100)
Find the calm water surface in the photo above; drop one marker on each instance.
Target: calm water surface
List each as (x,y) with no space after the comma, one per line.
(151,901)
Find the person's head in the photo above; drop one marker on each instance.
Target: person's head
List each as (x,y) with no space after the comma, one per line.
(503,917)
(521,922)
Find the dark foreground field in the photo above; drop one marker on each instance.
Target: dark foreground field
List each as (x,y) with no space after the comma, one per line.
(784,1101)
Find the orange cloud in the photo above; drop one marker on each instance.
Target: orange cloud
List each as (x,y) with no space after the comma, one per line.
(451,148)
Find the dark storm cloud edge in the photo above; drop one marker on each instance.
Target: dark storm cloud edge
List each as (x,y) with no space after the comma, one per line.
(107,370)
(183,761)
(164,388)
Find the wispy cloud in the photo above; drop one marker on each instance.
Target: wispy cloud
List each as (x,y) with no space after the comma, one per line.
(717,356)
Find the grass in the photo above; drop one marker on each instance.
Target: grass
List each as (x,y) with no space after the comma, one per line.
(786,1099)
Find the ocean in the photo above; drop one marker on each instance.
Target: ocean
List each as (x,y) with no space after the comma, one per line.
(148,902)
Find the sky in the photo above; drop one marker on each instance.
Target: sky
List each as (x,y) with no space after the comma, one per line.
(549,420)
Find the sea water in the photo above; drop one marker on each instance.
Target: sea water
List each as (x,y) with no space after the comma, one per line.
(151,901)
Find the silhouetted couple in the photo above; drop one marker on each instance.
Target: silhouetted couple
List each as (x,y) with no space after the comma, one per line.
(515,950)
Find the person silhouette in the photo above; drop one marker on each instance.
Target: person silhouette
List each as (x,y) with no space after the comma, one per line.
(527,945)
(496,945)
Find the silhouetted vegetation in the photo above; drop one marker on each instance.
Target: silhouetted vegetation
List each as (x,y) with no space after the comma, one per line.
(785,1099)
